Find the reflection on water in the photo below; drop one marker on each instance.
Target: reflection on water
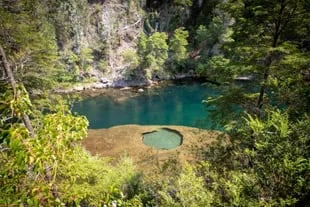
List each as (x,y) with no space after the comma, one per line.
(169,105)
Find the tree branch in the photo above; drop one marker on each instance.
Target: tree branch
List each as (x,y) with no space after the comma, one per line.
(9,74)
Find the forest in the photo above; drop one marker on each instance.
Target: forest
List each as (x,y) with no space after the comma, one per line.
(50,47)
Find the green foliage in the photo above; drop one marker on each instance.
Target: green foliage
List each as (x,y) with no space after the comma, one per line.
(227,107)
(203,12)
(102,65)
(51,168)
(264,46)
(32,162)
(35,32)
(153,51)
(157,48)
(142,44)
(69,18)
(292,65)
(92,180)
(201,35)
(215,29)
(280,156)
(29,41)
(264,164)
(215,33)
(71,60)
(209,42)
(167,16)
(183,2)
(86,58)
(11,107)
(204,185)
(131,60)
(214,68)
(77,65)
(177,45)
(186,190)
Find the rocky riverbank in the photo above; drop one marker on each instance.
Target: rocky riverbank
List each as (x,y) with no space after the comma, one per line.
(102,83)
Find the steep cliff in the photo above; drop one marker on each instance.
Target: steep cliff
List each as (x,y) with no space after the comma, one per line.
(120,23)
(108,43)
(131,42)
(92,36)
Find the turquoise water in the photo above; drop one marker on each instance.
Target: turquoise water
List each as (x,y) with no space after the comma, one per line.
(178,104)
(162,139)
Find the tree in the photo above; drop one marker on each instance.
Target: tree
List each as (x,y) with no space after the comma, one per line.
(178,44)
(29,42)
(19,97)
(202,12)
(131,61)
(261,30)
(153,52)
(42,162)
(167,16)
(264,163)
(267,45)
(279,156)
(45,165)
(86,59)
(187,189)
(208,37)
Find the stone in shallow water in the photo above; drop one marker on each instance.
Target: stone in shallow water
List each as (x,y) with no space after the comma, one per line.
(163,138)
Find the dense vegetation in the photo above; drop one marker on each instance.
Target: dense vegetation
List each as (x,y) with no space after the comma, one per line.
(265,163)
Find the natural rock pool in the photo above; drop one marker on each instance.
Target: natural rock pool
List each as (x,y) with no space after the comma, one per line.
(174,104)
(163,138)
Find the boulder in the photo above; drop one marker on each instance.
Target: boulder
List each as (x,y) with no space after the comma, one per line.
(104,80)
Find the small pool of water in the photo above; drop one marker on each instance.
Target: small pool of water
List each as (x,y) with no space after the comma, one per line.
(163,138)
(176,104)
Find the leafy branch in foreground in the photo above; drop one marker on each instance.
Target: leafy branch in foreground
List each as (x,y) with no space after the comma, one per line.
(45,165)
(52,168)
(270,157)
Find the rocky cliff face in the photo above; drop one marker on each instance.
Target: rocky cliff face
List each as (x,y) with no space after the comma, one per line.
(96,37)
(120,25)
(99,33)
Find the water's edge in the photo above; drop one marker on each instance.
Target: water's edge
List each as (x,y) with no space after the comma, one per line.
(172,103)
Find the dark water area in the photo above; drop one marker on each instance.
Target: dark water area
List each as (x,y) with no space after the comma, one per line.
(174,104)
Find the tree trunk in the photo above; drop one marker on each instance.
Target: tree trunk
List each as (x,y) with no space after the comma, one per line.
(261,93)
(260,101)
(10,77)
(7,70)
(279,23)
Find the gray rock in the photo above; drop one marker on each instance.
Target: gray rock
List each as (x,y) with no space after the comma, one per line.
(104,80)
(245,78)
(99,85)
(125,88)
